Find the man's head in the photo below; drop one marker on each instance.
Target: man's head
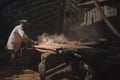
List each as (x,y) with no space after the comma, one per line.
(24,22)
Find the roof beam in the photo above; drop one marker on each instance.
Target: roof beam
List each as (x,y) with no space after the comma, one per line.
(91,2)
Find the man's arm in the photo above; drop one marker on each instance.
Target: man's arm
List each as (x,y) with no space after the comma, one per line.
(28,40)
(25,38)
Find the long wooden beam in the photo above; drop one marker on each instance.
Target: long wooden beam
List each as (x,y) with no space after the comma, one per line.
(91,2)
(56,68)
(105,18)
(64,70)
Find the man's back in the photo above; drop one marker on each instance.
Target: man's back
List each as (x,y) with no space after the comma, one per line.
(15,38)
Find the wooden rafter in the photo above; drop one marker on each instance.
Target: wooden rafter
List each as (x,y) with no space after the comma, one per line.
(91,2)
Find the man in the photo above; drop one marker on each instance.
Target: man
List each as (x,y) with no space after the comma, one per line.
(16,38)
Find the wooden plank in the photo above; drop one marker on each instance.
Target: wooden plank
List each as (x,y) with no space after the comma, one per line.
(91,2)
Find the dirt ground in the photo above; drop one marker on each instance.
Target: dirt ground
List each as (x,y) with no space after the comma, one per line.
(21,73)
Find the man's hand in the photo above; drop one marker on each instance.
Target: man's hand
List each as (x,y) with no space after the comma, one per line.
(36,43)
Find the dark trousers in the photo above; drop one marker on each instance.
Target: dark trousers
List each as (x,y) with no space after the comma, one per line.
(13,58)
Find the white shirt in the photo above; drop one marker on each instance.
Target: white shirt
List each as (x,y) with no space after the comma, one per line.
(12,38)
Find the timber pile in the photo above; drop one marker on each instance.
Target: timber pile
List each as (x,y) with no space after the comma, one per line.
(62,59)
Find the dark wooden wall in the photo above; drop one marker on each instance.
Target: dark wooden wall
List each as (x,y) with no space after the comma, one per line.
(43,15)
